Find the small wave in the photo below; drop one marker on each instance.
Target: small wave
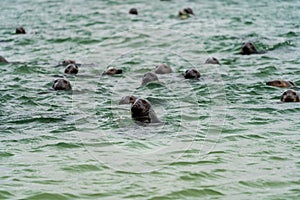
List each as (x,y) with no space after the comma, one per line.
(189,193)
(54,196)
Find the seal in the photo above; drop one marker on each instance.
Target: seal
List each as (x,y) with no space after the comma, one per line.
(20,30)
(163,69)
(281,83)
(3,60)
(185,13)
(112,71)
(191,74)
(133,11)
(149,77)
(67,62)
(249,48)
(128,100)
(71,69)
(212,60)
(142,111)
(61,84)
(289,96)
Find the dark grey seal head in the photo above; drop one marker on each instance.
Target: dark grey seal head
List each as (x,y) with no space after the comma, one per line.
(128,100)
(71,69)
(142,111)
(20,30)
(68,62)
(289,96)
(3,60)
(281,83)
(249,48)
(61,84)
(191,74)
(163,69)
(133,11)
(149,77)
(112,71)
(185,13)
(212,60)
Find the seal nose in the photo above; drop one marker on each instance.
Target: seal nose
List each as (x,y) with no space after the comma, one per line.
(289,99)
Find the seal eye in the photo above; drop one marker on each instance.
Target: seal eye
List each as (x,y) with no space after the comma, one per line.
(144,101)
(66,82)
(293,84)
(294,93)
(284,93)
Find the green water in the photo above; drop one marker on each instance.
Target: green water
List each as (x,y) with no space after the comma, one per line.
(225,137)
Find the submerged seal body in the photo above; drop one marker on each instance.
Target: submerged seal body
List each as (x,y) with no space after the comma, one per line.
(3,60)
(71,69)
(142,111)
(212,60)
(20,30)
(289,96)
(191,74)
(61,84)
(149,77)
(133,11)
(281,83)
(163,69)
(112,71)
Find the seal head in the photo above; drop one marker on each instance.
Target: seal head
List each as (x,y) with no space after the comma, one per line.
(20,30)
(67,62)
(71,69)
(149,77)
(185,13)
(61,84)
(112,71)
(133,11)
(289,96)
(3,60)
(141,111)
(212,60)
(249,48)
(163,69)
(281,83)
(128,100)
(191,74)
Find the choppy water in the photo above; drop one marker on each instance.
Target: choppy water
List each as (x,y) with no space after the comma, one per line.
(225,137)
